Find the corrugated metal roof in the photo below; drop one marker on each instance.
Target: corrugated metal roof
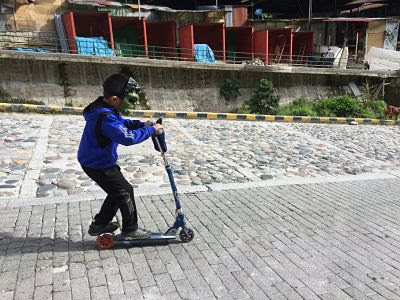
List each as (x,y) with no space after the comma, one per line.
(163,8)
(102,3)
(95,3)
(344,19)
(365,6)
(364,1)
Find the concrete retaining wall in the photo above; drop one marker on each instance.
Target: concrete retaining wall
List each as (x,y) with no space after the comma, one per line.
(72,80)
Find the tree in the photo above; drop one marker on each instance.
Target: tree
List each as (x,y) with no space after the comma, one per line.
(265,99)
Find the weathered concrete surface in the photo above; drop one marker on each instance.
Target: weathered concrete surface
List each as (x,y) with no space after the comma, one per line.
(76,80)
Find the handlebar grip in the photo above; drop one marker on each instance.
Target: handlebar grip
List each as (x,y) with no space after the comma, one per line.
(159,131)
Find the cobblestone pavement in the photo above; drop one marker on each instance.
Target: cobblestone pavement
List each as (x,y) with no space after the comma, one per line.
(312,241)
(38,154)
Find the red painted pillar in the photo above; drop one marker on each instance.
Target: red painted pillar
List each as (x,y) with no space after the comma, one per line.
(110,30)
(291,46)
(266,47)
(69,26)
(146,49)
(223,43)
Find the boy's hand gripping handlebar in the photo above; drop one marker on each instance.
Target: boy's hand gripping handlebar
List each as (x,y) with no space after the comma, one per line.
(159,130)
(159,139)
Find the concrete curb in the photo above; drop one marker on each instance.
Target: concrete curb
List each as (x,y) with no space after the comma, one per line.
(52,109)
(151,191)
(10,107)
(89,196)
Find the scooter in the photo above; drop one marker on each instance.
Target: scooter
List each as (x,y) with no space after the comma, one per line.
(108,240)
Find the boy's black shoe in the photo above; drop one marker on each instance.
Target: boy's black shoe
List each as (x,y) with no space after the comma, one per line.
(95,229)
(138,234)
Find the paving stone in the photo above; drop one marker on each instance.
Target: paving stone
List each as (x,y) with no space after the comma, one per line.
(164,283)
(25,288)
(157,266)
(132,289)
(80,288)
(8,281)
(199,284)
(99,292)
(96,277)
(151,292)
(66,183)
(184,288)
(172,296)
(114,283)
(145,277)
(175,271)
(43,293)
(61,281)
(127,272)
(110,266)
(44,277)
(66,295)
(7,295)
(234,287)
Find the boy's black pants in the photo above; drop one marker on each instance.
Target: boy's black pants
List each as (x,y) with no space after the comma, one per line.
(119,196)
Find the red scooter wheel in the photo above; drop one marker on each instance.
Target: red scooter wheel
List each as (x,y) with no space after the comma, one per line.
(105,241)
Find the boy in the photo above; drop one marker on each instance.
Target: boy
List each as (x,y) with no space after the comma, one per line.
(97,154)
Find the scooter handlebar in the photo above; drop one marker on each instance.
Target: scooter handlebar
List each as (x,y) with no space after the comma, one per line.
(159,131)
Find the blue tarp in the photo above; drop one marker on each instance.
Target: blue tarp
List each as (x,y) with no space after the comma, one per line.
(203,53)
(31,49)
(93,46)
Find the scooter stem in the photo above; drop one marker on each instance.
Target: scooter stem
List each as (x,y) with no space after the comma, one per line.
(170,177)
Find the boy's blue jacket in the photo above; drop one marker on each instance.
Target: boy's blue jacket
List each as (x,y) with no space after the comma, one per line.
(113,127)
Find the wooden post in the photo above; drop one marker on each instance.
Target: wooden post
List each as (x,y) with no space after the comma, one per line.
(344,43)
(309,14)
(356,54)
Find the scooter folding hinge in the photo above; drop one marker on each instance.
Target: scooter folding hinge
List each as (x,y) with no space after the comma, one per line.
(178,212)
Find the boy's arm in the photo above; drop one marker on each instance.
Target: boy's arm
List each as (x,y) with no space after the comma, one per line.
(132,124)
(118,132)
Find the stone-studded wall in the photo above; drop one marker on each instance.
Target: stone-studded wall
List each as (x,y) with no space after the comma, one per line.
(63,80)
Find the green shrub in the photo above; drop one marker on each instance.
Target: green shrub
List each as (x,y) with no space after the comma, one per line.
(300,107)
(367,113)
(243,110)
(230,89)
(343,106)
(297,111)
(323,107)
(265,99)
(377,108)
(346,106)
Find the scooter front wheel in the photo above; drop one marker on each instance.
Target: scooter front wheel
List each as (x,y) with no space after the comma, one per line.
(105,241)
(186,235)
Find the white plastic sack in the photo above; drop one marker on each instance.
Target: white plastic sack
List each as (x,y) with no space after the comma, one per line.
(341,58)
(382,59)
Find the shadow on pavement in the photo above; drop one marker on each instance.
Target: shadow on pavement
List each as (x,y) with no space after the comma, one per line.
(10,245)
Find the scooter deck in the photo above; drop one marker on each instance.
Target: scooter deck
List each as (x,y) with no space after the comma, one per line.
(155,238)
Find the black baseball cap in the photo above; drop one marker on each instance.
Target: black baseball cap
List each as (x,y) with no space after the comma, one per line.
(115,84)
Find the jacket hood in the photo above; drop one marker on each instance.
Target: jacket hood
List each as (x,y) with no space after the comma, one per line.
(96,107)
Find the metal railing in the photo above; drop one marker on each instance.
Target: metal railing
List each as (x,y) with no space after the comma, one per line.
(53,45)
